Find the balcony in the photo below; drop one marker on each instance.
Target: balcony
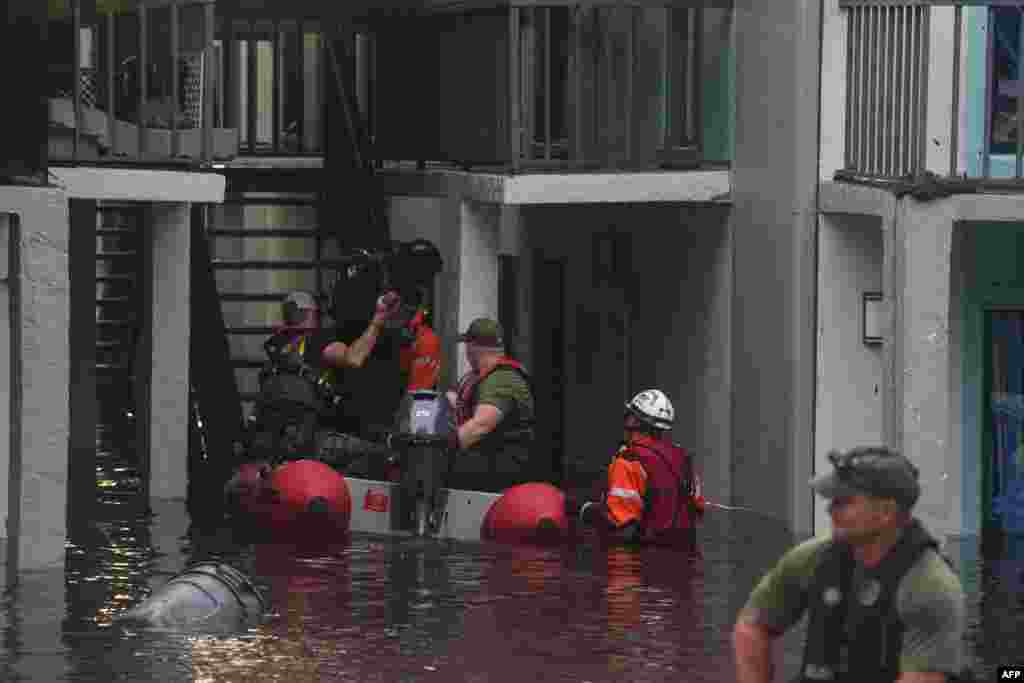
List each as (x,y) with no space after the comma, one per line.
(135,82)
(933,89)
(512,87)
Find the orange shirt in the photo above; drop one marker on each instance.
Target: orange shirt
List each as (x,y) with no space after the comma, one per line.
(421,361)
(627,484)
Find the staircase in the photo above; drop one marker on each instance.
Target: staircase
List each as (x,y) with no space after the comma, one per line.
(118,316)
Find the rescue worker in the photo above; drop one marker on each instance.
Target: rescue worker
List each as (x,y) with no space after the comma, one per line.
(883,603)
(295,389)
(494,414)
(420,354)
(653,494)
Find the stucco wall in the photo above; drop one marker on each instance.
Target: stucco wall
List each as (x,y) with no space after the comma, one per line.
(35,504)
(849,377)
(668,326)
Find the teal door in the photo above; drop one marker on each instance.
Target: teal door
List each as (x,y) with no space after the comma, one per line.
(1004,433)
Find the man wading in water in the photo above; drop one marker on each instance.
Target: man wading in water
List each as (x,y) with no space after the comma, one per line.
(884,605)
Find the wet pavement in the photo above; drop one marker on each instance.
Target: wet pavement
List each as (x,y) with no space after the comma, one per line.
(375,608)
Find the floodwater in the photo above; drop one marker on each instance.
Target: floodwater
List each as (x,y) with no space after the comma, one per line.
(374,608)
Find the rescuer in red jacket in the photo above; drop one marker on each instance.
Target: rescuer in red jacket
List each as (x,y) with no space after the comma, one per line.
(653,493)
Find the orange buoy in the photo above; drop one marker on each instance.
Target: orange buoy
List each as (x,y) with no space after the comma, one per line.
(307,496)
(527,513)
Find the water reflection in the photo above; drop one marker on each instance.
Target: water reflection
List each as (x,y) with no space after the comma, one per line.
(394,609)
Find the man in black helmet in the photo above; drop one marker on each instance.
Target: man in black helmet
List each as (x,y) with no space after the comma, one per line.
(884,604)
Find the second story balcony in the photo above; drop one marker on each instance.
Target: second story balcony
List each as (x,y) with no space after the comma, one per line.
(514,86)
(925,88)
(135,81)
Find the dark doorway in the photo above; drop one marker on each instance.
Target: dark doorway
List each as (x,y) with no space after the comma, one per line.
(549,360)
(1003,498)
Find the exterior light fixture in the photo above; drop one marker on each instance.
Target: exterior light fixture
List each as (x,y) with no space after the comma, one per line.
(873,318)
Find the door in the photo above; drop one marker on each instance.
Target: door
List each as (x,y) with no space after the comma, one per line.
(548,368)
(1003,481)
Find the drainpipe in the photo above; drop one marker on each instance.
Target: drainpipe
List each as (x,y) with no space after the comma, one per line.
(13,282)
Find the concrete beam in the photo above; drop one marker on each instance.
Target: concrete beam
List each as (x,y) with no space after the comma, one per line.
(34,461)
(565,188)
(840,198)
(120,184)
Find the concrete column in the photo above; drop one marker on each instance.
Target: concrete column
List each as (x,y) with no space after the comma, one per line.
(775,174)
(479,240)
(926,234)
(34,456)
(170,228)
(892,349)
(82,391)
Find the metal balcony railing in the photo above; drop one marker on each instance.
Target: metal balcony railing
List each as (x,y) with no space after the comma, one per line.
(133,81)
(273,88)
(601,85)
(918,103)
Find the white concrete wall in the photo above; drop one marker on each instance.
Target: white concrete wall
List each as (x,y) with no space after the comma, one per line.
(940,89)
(169,390)
(44,419)
(833,89)
(479,242)
(849,373)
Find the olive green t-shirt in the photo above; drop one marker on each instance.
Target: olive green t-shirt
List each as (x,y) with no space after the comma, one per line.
(506,389)
(929,601)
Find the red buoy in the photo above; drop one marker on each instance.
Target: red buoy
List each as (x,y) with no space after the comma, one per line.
(527,513)
(308,496)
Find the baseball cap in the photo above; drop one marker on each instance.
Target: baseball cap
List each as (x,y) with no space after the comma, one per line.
(301,300)
(485,332)
(874,471)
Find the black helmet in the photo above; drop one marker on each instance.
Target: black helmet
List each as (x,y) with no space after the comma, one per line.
(415,264)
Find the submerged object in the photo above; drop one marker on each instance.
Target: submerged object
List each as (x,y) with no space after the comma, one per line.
(249,486)
(307,496)
(206,596)
(527,513)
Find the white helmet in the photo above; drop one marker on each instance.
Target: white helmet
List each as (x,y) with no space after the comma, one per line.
(653,407)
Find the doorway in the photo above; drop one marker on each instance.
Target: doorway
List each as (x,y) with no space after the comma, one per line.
(549,364)
(1003,445)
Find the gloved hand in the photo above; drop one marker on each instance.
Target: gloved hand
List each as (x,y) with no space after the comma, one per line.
(387,306)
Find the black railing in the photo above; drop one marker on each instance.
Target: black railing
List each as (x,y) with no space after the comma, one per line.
(273,85)
(578,86)
(133,81)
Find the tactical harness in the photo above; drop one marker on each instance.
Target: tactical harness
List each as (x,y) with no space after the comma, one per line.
(854,632)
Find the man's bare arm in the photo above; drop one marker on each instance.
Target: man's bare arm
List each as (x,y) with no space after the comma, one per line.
(921,677)
(752,648)
(484,420)
(354,355)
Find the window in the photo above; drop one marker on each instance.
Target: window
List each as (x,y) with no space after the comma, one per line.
(1005,84)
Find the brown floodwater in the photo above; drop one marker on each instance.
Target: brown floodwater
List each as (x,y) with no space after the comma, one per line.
(375,608)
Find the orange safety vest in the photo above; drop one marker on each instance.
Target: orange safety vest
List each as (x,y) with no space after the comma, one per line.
(421,360)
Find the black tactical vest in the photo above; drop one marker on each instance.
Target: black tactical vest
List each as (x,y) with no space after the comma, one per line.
(854,633)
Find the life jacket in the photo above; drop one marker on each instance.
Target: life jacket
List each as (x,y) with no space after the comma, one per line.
(668,516)
(854,632)
(515,427)
(420,359)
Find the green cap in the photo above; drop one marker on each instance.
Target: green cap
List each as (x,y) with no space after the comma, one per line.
(485,332)
(874,471)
